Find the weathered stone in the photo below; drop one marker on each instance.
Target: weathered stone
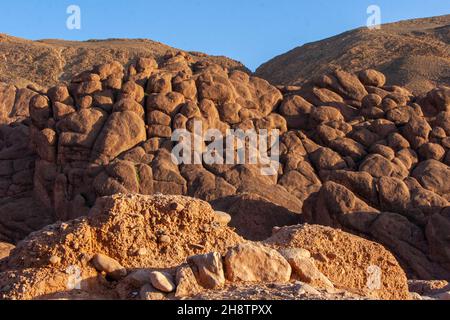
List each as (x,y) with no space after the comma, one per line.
(110,266)
(162,281)
(208,270)
(256,263)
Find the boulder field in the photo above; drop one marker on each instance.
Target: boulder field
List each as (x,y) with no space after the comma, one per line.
(355,155)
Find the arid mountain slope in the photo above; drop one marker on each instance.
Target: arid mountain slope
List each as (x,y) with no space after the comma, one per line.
(412,53)
(48,62)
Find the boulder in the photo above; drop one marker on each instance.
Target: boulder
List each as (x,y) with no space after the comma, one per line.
(348,261)
(372,78)
(208,270)
(122,131)
(256,263)
(186,281)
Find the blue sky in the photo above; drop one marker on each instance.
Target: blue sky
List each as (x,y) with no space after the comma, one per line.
(251,31)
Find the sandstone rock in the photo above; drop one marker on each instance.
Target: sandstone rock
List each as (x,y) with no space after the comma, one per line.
(372,77)
(208,270)
(138,278)
(148,292)
(110,266)
(5,249)
(337,206)
(256,263)
(433,175)
(437,236)
(223,217)
(440,98)
(40,110)
(344,267)
(432,151)
(128,104)
(254,216)
(296,110)
(162,281)
(122,131)
(186,282)
(305,268)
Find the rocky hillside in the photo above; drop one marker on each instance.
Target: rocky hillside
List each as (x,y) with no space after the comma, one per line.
(413,53)
(49,62)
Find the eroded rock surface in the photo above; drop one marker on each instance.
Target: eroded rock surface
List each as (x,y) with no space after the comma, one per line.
(355,154)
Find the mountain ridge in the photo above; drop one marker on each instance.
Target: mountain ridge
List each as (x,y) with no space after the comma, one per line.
(412,53)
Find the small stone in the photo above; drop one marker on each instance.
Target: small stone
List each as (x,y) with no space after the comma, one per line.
(222,218)
(415,296)
(187,284)
(110,266)
(55,260)
(162,281)
(142,252)
(138,278)
(164,239)
(148,292)
(175,206)
(308,290)
(208,270)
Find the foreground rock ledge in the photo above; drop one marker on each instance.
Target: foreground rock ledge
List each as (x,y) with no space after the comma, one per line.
(115,251)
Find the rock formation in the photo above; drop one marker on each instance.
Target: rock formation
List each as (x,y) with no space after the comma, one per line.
(411,53)
(46,63)
(88,163)
(118,250)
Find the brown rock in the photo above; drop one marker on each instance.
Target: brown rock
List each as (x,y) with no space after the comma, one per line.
(148,292)
(162,281)
(186,282)
(305,268)
(110,266)
(122,131)
(349,260)
(372,77)
(256,263)
(208,270)
(5,249)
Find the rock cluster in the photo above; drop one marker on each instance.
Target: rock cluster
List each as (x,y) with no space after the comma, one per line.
(19,213)
(411,53)
(101,256)
(356,154)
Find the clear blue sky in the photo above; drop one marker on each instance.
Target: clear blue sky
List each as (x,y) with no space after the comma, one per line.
(251,31)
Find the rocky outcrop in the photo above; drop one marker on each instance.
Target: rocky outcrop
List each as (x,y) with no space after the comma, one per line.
(48,62)
(171,247)
(355,153)
(348,261)
(121,233)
